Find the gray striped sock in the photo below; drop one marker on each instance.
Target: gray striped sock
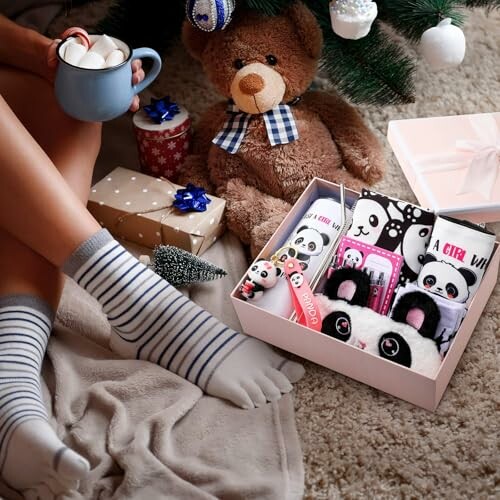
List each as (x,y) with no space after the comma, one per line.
(153,321)
(25,326)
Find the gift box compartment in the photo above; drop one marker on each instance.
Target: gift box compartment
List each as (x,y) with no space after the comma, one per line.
(375,371)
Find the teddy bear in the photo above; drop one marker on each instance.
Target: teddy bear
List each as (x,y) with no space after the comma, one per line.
(260,147)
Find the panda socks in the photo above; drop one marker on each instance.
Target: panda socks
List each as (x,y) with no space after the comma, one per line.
(456,259)
(153,321)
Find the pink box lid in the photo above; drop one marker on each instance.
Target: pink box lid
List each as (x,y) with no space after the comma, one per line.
(452,163)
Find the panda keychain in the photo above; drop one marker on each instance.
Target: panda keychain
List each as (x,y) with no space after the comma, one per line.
(261,275)
(304,302)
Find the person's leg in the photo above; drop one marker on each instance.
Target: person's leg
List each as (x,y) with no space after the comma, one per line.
(151,320)
(32,458)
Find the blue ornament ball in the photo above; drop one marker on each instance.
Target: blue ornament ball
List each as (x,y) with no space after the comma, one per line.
(210,15)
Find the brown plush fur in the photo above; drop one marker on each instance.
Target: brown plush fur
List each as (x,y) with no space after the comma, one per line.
(260,182)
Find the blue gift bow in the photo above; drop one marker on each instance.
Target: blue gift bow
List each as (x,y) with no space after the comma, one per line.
(161,110)
(191,199)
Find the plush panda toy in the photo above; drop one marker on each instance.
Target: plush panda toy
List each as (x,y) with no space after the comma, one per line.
(261,275)
(406,339)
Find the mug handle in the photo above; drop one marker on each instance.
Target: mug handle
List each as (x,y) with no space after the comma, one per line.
(153,72)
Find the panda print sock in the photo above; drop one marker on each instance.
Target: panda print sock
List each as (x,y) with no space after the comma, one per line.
(456,259)
(393,225)
(153,321)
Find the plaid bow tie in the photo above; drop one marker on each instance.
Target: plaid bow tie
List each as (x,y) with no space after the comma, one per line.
(280,125)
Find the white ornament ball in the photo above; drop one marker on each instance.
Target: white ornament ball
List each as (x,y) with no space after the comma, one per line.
(443,46)
(352,19)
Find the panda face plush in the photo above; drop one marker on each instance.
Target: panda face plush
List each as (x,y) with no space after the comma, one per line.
(352,258)
(442,278)
(309,241)
(406,341)
(369,220)
(263,273)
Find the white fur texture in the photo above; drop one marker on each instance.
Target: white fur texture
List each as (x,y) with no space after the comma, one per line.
(367,327)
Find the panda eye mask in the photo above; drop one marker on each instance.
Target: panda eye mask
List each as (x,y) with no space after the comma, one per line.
(456,259)
(394,225)
(404,342)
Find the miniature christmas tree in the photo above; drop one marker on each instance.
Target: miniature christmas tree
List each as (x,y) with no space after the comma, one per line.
(180,268)
(362,59)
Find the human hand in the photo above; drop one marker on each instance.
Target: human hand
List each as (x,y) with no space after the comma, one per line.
(51,65)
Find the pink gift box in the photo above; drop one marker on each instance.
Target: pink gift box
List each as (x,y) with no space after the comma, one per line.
(452,163)
(348,360)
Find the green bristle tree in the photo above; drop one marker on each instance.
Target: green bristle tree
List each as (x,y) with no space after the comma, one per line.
(181,268)
(375,69)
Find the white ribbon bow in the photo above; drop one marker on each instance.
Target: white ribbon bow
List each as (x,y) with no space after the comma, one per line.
(480,157)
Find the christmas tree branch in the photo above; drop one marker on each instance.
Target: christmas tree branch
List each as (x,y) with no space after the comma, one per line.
(412,17)
(489,4)
(268,7)
(372,70)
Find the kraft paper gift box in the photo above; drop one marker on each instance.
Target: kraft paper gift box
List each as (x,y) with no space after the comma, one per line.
(138,208)
(373,370)
(452,163)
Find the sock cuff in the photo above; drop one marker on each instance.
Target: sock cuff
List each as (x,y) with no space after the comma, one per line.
(29,301)
(85,251)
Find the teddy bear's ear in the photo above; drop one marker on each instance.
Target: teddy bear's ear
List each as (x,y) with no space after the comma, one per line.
(194,39)
(307,28)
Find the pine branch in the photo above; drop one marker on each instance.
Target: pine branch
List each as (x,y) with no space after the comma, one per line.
(489,4)
(268,7)
(147,23)
(181,268)
(412,17)
(372,70)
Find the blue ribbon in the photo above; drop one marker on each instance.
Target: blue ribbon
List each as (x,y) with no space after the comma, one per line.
(161,110)
(191,199)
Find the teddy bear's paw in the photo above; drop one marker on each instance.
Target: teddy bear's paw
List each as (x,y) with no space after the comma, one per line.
(262,233)
(194,171)
(373,172)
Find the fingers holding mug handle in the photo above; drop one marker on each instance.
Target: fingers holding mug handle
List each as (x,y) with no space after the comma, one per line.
(142,53)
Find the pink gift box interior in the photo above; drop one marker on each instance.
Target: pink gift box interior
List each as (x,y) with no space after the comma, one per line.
(389,377)
(432,142)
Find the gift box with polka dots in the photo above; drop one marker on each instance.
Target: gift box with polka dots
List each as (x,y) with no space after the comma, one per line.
(139,208)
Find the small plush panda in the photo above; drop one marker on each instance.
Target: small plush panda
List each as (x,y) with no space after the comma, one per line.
(407,341)
(352,258)
(307,242)
(261,275)
(443,278)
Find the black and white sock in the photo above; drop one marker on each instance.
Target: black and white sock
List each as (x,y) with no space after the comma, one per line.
(32,458)
(153,321)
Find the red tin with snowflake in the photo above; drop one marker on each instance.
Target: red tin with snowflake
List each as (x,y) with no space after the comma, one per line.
(162,147)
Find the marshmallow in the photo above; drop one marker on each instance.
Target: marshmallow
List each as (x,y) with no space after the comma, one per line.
(73,53)
(92,60)
(104,46)
(115,58)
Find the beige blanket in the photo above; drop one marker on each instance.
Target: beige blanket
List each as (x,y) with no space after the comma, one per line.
(149,434)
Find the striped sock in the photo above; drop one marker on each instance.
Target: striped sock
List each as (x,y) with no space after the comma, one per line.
(32,458)
(153,321)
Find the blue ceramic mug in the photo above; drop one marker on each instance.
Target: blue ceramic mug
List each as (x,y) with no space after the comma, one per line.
(98,95)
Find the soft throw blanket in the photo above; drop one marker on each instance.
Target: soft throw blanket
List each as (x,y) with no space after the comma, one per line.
(149,434)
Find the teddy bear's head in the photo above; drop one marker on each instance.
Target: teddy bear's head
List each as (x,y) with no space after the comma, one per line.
(260,61)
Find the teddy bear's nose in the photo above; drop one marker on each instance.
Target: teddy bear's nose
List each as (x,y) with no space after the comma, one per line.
(251,84)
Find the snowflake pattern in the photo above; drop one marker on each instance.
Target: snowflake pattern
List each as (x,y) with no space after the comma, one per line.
(161,155)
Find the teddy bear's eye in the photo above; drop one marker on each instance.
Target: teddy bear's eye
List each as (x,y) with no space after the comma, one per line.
(271,60)
(239,63)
